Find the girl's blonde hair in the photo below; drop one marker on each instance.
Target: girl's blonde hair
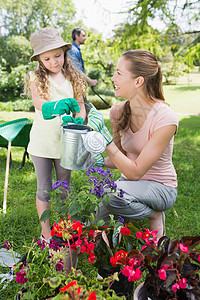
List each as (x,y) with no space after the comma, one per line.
(43,85)
(142,63)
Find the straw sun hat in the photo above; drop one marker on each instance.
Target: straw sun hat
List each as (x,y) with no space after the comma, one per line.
(47,39)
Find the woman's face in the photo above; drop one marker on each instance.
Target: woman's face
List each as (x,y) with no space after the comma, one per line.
(53,60)
(124,80)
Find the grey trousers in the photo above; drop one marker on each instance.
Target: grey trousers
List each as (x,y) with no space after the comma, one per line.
(43,169)
(139,201)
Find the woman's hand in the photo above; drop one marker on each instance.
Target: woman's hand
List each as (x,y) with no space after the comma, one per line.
(96,122)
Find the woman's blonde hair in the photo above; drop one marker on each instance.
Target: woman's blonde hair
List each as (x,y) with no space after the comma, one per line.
(43,85)
(142,63)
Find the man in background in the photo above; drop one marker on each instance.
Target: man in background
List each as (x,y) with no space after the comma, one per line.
(79,37)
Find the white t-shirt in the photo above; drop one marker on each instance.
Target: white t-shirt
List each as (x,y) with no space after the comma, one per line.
(159,116)
(45,135)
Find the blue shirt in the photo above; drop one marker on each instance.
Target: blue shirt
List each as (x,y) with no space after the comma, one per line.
(76,57)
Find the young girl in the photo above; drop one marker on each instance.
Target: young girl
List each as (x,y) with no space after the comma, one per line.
(143,130)
(53,85)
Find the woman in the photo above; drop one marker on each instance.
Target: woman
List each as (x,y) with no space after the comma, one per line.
(143,130)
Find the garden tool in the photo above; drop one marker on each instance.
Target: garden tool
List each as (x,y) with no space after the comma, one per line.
(9,276)
(100,97)
(9,131)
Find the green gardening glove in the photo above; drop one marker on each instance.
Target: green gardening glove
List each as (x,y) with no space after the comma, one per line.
(52,109)
(69,119)
(96,121)
(100,160)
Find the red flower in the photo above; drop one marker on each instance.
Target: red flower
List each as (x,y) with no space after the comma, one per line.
(119,257)
(91,232)
(91,257)
(125,231)
(92,296)
(66,287)
(83,249)
(91,246)
(77,226)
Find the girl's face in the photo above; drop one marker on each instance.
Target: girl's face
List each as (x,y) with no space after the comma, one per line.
(124,80)
(53,60)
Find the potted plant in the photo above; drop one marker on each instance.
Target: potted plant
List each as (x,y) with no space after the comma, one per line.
(80,205)
(171,267)
(100,242)
(45,274)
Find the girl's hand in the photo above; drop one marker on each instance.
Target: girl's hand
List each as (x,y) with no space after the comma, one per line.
(52,109)
(69,119)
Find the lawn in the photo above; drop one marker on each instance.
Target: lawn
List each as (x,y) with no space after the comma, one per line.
(21,225)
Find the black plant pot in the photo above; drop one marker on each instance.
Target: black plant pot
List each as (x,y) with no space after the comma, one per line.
(122,287)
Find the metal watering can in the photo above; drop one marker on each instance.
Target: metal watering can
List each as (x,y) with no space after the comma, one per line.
(78,143)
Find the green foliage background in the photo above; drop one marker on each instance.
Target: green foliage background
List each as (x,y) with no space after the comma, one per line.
(177,48)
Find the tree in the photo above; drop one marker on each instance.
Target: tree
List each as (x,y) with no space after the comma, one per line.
(23,17)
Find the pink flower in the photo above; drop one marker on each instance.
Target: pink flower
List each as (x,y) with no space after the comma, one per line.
(183,283)
(131,273)
(175,287)
(183,248)
(199,258)
(139,234)
(20,277)
(162,274)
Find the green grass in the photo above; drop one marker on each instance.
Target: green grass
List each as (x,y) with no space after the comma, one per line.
(183,99)
(21,225)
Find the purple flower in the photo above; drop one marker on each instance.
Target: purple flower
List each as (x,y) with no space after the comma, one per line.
(56,185)
(121,219)
(90,170)
(121,193)
(41,244)
(7,245)
(20,277)
(64,184)
(54,245)
(59,265)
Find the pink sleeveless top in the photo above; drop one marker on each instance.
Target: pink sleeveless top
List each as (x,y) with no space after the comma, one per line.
(159,116)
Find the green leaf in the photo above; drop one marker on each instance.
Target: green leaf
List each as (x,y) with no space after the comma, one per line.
(116,232)
(54,282)
(74,208)
(83,195)
(45,215)
(100,222)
